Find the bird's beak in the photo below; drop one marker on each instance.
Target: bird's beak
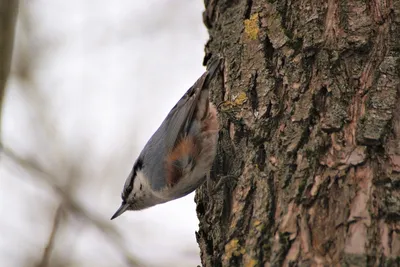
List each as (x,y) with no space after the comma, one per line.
(121,209)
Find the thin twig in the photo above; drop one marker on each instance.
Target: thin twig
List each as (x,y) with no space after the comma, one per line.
(50,243)
(8,11)
(73,206)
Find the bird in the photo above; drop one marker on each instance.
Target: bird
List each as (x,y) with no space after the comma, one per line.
(178,157)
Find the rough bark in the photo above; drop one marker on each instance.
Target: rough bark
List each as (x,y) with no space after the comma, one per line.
(309,146)
(8,13)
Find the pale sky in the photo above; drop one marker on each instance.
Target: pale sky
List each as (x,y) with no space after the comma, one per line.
(104,76)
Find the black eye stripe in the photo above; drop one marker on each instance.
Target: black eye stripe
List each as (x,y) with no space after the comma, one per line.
(137,167)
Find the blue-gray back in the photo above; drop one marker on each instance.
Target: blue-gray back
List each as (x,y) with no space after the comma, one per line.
(176,125)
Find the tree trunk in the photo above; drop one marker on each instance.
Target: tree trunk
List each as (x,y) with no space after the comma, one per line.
(8,14)
(309,146)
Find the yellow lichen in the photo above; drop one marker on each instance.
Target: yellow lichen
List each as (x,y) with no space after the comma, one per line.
(240,252)
(251,27)
(233,248)
(256,223)
(240,99)
(251,263)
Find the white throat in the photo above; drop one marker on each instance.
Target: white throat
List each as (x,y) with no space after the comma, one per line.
(142,195)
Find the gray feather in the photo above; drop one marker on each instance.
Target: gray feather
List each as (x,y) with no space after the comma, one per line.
(176,125)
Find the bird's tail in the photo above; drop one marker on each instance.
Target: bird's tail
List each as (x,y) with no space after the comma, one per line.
(213,68)
(203,101)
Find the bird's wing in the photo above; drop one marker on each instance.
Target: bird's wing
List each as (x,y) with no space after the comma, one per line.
(173,130)
(182,114)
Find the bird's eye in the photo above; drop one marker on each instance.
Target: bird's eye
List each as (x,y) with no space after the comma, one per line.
(129,189)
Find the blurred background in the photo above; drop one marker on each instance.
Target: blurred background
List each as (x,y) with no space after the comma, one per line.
(90,82)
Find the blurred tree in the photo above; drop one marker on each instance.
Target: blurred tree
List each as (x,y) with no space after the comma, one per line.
(310,138)
(8,14)
(62,172)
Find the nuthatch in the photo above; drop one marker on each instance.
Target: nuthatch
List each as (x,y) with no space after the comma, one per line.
(178,157)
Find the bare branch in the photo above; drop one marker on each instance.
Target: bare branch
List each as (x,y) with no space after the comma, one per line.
(73,206)
(8,14)
(50,243)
